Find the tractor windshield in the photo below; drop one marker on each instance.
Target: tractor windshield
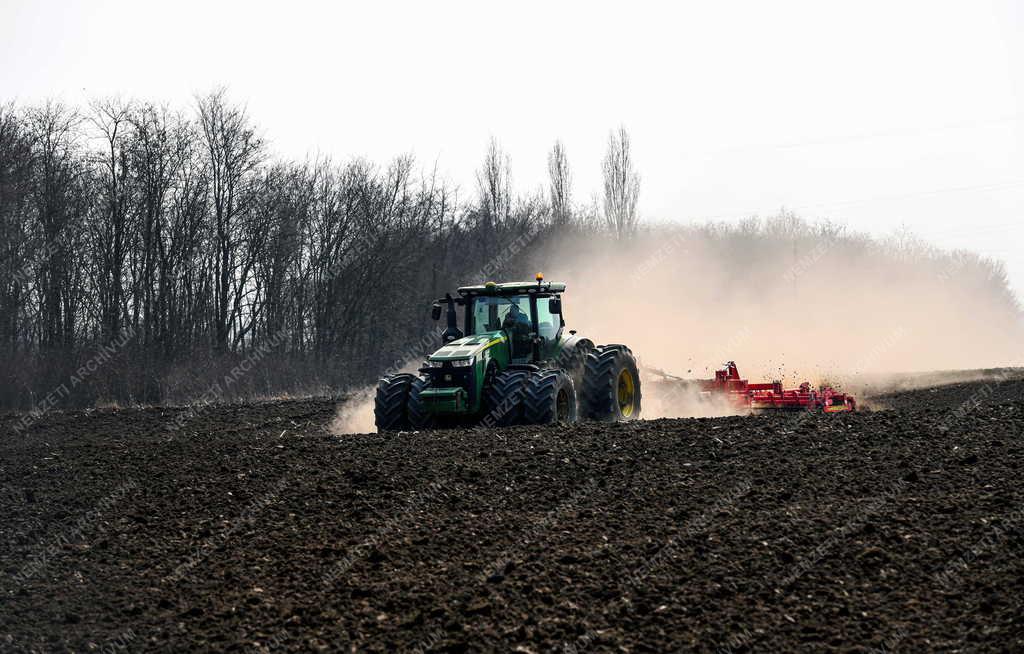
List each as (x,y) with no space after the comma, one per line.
(494,312)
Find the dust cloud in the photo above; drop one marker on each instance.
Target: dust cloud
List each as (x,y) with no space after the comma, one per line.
(355,413)
(786,300)
(678,399)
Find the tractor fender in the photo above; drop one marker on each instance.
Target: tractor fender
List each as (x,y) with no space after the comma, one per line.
(570,345)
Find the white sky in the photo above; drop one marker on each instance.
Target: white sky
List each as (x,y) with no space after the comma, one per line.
(874,114)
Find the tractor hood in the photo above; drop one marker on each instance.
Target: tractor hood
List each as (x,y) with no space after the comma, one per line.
(468,346)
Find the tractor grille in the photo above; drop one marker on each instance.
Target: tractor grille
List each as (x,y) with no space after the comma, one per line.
(448,376)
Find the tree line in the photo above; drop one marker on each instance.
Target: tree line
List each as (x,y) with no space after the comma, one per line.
(178,238)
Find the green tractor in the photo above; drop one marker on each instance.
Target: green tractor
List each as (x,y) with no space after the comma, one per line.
(515,364)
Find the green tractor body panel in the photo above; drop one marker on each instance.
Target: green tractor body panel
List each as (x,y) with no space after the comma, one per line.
(468,346)
(486,351)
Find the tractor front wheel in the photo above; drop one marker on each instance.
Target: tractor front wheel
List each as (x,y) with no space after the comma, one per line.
(550,398)
(389,408)
(611,385)
(415,410)
(505,399)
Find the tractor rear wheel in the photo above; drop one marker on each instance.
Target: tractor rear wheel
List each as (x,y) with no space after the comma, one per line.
(389,407)
(504,400)
(550,397)
(414,407)
(611,385)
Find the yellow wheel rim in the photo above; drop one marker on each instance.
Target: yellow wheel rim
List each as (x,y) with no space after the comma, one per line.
(626,392)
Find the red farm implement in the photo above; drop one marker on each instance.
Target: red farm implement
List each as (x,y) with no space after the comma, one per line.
(772,396)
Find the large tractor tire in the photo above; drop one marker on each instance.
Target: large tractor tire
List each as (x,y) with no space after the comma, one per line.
(550,398)
(611,385)
(414,408)
(389,407)
(504,399)
(575,361)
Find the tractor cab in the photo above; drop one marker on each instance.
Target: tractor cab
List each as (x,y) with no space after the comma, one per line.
(525,315)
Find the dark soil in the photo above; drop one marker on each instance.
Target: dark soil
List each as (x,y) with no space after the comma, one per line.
(254,528)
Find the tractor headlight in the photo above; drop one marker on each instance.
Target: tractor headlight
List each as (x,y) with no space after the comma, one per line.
(464,363)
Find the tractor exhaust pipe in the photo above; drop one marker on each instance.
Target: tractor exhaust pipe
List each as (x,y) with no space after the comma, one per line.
(452,331)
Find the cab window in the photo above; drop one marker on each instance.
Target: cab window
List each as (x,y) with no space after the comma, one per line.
(489,311)
(548,323)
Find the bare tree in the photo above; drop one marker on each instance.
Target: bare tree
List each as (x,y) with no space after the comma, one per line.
(59,199)
(157,153)
(15,178)
(621,184)
(234,154)
(559,185)
(111,230)
(186,260)
(494,185)
(284,199)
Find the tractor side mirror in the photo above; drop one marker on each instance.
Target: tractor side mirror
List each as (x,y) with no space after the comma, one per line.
(435,311)
(555,305)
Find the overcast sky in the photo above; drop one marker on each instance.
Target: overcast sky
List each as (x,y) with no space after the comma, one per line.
(875,114)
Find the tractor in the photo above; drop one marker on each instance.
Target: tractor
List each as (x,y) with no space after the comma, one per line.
(514,363)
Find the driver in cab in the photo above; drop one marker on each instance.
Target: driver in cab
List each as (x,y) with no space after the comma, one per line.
(516,322)
(518,326)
